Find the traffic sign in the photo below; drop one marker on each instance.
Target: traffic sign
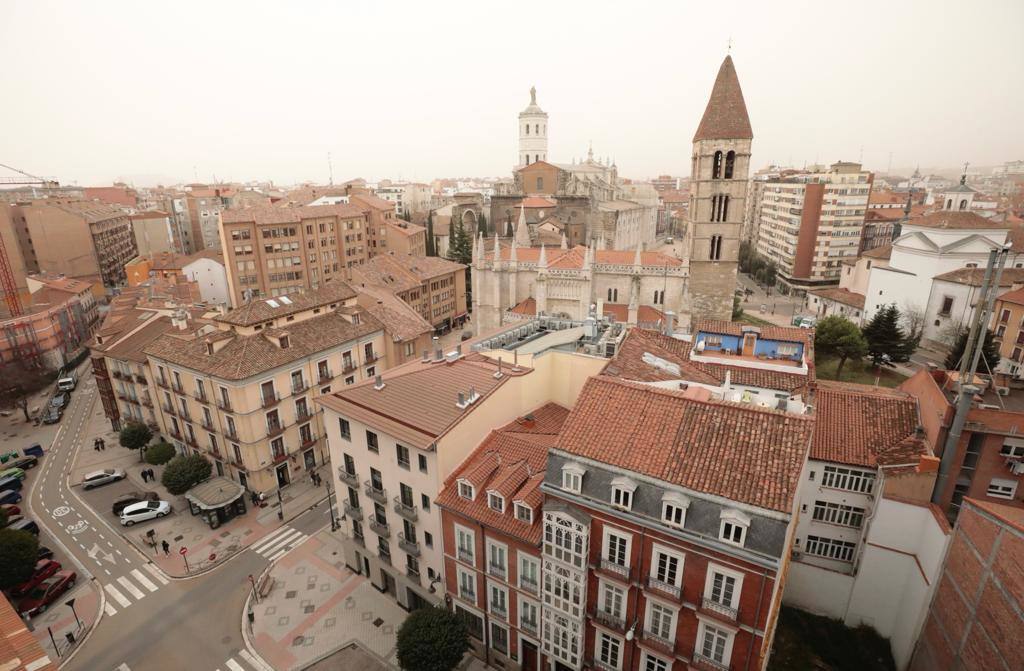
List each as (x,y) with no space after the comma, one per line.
(183,550)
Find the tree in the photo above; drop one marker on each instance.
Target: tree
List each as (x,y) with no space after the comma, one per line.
(135,436)
(182,473)
(19,551)
(839,337)
(159,453)
(989,353)
(481,223)
(430,235)
(913,325)
(19,382)
(460,247)
(737,308)
(432,639)
(887,343)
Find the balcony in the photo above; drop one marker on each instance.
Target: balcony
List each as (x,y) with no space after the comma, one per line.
(727,612)
(407,546)
(231,433)
(413,574)
(497,570)
(201,397)
(302,414)
(380,528)
(191,440)
(405,510)
(466,555)
(325,375)
(702,662)
(350,479)
(206,423)
(602,666)
(176,386)
(665,588)
(275,429)
(358,539)
(529,626)
(141,379)
(352,511)
(499,611)
(146,401)
(618,570)
(299,386)
(609,620)
(385,557)
(347,366)
(269,400)
(174,433)
(169,409)
(308,440)
(280,457)
(528,584)
(224,404)
(467,594)
(657,641)
(371,357)
(117,375)
(184,414)
(378,495)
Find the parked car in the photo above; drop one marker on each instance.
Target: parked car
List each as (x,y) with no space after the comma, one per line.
(43,570)
(44,553)
(25,524)
(10,483)
(46,593)
(23,462)
(60,400)
(144,510)
(66,383)
(9,496)
(104,477)
(10,510)
(14,519)
(52,415)
(122,502)
(12,473)
(33,450)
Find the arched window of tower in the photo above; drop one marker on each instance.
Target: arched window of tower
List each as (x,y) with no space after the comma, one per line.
(730,162)
(527,129)
(716,166)
(963,204)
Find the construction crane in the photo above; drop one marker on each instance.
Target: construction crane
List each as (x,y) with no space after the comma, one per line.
(7,283)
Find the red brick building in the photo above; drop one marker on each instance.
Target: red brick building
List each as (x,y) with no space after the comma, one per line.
(491,523)
(668,526)
(975,619)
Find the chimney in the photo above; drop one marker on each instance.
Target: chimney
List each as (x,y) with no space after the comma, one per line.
(515,361)
(378,382)
(498,374)
(670,322)
(461,403)
(438,353)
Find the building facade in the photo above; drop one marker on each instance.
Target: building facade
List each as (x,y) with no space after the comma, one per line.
(434,287)
(154,233)
(54,327)
(533,132)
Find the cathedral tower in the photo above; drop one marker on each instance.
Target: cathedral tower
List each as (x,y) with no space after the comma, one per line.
(533,132)
(718,191)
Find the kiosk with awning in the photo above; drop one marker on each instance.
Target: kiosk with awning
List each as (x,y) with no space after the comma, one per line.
(217,500)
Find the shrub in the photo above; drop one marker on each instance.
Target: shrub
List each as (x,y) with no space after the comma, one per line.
(432,639)
(135,436)
(18,553)
(182,473)
(159,454)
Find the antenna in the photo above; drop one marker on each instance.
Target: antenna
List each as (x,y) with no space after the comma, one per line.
(728,48)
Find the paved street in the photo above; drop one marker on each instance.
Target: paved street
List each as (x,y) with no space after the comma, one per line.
(147,620)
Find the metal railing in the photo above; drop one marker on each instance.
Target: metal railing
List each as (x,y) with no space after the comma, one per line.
(378,495)
(609,620)
(355,512)
(721,609)
(405,510)
(703,662)
(379,528)
(268,400)
(664,587)
(616,568)
(408,546)
(656,640)
(351,479)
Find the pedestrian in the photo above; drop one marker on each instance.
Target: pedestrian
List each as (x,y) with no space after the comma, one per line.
(152,475)
(103,444)
(166,546)
(317,479)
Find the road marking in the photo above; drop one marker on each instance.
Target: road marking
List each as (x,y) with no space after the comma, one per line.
(107,571)
(267,549)
(78,527)
(117,596)
(277,555)
(122,667)
(108,609)
(137,574)
(156,573)
(61,511)
(234,666)
(255,663)
(130,588)
(96,552)
(270,538)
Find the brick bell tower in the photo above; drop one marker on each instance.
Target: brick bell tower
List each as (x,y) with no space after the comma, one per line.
(718,191)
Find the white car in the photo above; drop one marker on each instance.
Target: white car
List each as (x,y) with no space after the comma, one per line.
(144,510)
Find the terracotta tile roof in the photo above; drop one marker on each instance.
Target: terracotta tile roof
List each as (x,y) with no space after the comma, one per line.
(1015,296)
(975,276)
(91,211)
(260,310)
(886,197)
(402,272)
(131,348)
(725,117)
(868,426)
(527,306)
(738,452)
(1009,514)
(405,228)
(510,461)
(418,402)
(1016,239)
(784,333)
(168,261)
(209,253)
(66,284)
(955,220)
(371,202)
(289,215)
(19,649)
(400,320)
(245,356)
(536,202)
(883,252)
(844,296)
(148,214)
(645,314)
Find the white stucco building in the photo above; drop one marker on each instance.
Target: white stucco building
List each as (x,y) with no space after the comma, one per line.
(206,268)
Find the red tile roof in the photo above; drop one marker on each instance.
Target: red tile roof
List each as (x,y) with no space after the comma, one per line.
(18,647)
(746,454)
(510,461)
(868,426)
(1015,296)
(883,252)
(289,215)
(725,117)
(840,295)
(536,202)
(955,220)
(526,307)
(975,276)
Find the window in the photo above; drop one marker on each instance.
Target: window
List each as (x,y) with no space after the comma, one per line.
(608,650)
(716,165)
(947,306)
(722,587)
(528,615)
(616,547)
(346,429)
(836,513)
(622,493)
(371,441)
(467,586)
(862,482)
(495,502)
(498,600)
(524,513)
(474,624)
(1002,489)
(540,183)
(830,548)
(652,663)
(612,600)
(673,509)
(572,477)
(425,502)
(403,456)
(659,297)
(428,539)
(529,573)
(497,560)
(465,544)
(730,164)
(350,464)
(667,569)
(715,250)
(734,527)
(422,459)
(1013,448)
(714,643)
(661,621)
(466,490)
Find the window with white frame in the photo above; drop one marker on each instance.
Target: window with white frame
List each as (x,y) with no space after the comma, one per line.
(498,600)
(673,509)
(616,546)
(1013,448)
(572,477)
(608,650)
(661,621)
(467,585)
(734,527)
(466,544)
(722,586)
(1001,488)
(667,567)
(848,479)
(529,615)
(564,539)
(837,513)
(714,643)
(622,493)
(499,638)
(787,349)
(612,600)
(529,573)
(466,490)
(524,513)
(496,502)
(830,548)
(497,559)
(652,663)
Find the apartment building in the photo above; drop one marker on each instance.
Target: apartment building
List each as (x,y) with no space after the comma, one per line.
(491,512)
(407,333)
(662,548)
(56,323)
(1008,329)
(241,390)
(434,287)
(810,222)
(154,233)
(204,206)
(380,214)
(270,251)
(204,270)
(80,239)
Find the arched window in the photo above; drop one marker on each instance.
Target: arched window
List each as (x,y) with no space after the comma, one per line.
(949,204)
(536,157)
(536,129)
(963,204)
(730,162)
(527,159)
(716,166)
(716,248)
(527,129)
(725,209)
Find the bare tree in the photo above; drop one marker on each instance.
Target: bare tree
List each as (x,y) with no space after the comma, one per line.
(913,323)
(19,383)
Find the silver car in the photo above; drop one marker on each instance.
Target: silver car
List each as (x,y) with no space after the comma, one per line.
(104,477)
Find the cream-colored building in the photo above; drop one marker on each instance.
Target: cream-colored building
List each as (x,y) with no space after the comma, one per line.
(154,233)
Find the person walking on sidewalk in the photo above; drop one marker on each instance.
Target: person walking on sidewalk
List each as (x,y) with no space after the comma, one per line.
(166,546)
(145,475)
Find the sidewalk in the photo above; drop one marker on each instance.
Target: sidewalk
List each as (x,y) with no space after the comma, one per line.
(59,619)
(318,608)
(181,528)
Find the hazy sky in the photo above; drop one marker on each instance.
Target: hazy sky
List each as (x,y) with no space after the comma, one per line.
(95,91)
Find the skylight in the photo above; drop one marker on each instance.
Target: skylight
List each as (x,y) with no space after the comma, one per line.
(272,303)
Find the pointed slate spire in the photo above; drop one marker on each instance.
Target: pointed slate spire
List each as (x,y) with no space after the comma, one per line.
(513,256)
(522,230)
(565,243)
(725,117)
(497,246)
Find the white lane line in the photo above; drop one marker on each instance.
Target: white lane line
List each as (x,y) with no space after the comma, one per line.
(268,540)
(122,667)
(130,587)
(277,555)
(108,609)
(278,542)
(107,571)
(255,663)
(117,596)
(156,573)
(234,666)
(143,580)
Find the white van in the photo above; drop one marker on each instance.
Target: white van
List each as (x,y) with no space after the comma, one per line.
(66,383)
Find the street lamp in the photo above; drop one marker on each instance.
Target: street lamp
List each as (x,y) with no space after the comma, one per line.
(280,503)
(70,603)
(330,504)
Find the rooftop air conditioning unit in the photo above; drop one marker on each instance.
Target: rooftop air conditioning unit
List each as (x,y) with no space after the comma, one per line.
(1016,467)
(1003,391)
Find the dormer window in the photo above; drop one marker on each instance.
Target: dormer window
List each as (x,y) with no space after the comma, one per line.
(496,502)
(734,527)
(622,493)
(524,513)
(283,342)
(466,490)
(572,477)
(673,509)
(209,348)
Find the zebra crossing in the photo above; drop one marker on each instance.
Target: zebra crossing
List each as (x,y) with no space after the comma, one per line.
(136,585)
(245,662)
(276,543)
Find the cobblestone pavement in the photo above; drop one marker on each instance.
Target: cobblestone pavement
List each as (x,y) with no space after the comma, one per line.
(317,607)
